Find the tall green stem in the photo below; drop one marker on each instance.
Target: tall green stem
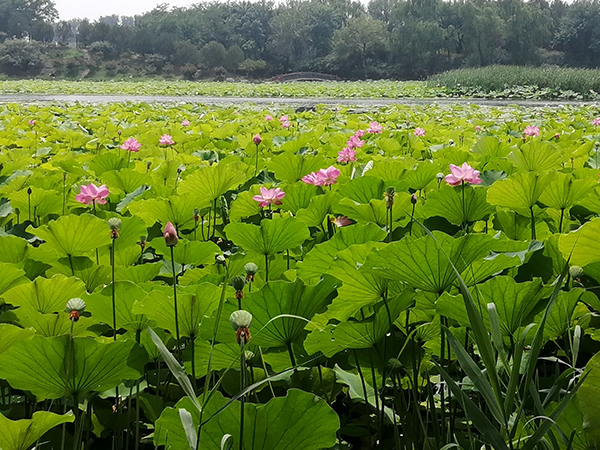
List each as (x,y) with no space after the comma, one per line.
(533,235)
(256,168)
(114,303)
(242,387)
(175,300)
(364,386)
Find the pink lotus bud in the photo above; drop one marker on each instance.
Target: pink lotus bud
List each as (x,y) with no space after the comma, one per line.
(31,123)
(170,235)
(257,139)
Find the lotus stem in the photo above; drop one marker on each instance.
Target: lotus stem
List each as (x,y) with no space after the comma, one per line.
(242,387)
(291,353)
(256,167)
(266,268)
(562,215)
(175,300)
(114,303)
(533,235)
(214,219)
(464,207)
(364,386)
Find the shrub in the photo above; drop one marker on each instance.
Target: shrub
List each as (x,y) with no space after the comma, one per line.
(214,54)
(102,49)
(19,57)
(253,67)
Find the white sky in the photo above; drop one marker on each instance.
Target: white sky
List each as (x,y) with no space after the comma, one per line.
(93,9)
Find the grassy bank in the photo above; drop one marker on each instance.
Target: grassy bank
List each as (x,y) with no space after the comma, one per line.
(520,82)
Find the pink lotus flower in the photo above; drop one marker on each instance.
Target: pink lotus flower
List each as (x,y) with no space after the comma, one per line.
(556,136)
(269,197)
(341,221)
(285,125)
(311,178)
(595,122)
(419,132)
(170,235)
(185,123)
(257,140)
(374,128)
(359,133)
(324,177)
(347,155)
(531,131)
(31,123)
(355,142)
(91,194)
(284,119)
(464,173)
(131,145)
(478,129)
(165,139)
(268,118)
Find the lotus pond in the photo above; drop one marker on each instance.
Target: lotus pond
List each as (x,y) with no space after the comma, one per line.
(188,277)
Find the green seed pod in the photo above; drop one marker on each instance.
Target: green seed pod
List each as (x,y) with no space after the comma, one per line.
(115,223)
(240,319)
(251,269)
(248,355)
(575,272)
(440,176)
(238,283)
(75,304)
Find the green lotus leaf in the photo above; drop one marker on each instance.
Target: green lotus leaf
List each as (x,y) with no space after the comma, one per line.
(179,210)
(561,318)
(244,205)
(127,293)
(74,235)
(582,246)
(107,162)
(518,227)
(11,335)
(280,424)
(22,434)
(358,334)
(319,259)
(420,263)
(194,253)
(139,274)
(514,302)
(82,267)
(40,365)
(565,191)
(536,156)
(572,422)
(491,147)
(281,297)
(124,203)
(317,211)
(13,249)
(132,228)
(12,277)
(359,288)
(271,237)
(421,175)
(193,305)
(376,210)
(208,183)
(363,189)
(224,356)
(448,203)
(298,196)
(519,192)
(290,168)
(588,396)
(391,170)
(46,295)
(48,325)
(41,203)
(126,180)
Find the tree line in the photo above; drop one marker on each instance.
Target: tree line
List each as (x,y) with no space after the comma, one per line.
(384,39)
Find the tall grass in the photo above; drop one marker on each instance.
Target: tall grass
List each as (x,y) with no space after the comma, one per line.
(558,80)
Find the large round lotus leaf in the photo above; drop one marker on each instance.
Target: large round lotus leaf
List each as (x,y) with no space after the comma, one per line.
(54,367)
(280,424)
(22,434)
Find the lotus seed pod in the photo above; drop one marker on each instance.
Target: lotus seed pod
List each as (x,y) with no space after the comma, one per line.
(240,319)
(238,283)
(440,176)
(115,223)
(251,269)
(220,259)
(75,304)
(575,272)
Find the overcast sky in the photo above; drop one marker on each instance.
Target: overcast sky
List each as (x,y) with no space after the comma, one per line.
(92,9)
